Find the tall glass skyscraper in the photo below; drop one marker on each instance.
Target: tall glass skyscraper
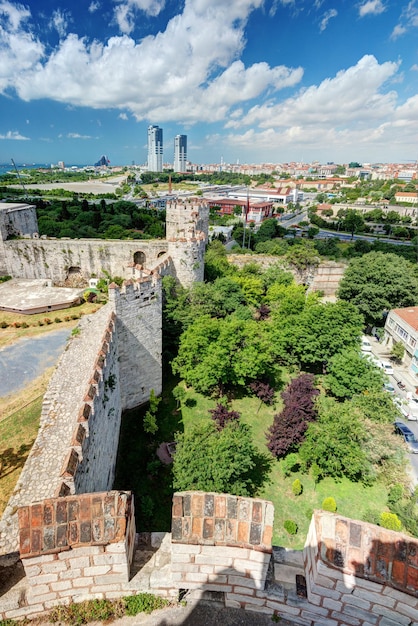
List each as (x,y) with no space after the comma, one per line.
(155,149)
(180,153)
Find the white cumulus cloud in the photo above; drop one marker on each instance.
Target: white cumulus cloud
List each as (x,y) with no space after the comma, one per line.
(372,7)
(190,72)
(14,135)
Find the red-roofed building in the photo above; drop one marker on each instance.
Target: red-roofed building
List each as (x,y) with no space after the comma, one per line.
(402,326)
(256,211)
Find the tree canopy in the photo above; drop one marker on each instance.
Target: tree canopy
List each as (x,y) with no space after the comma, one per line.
(378,282)
(225,460)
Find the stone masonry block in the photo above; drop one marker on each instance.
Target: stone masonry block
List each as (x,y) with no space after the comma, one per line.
(333,605)
(356,601)
(61,585)
(346,620)
(245,591)
(97,570)
(69,574)
(196,577)
(203,559)
(179,548)
(242,581)
(391,614)
(373,598)
(409,611)
(240,598)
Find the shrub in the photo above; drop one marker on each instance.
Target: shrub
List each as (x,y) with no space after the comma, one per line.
(290,526)
(40,323)
(390,521)
(4,325)
(143,603)
(25,325)
(67,318)
(372,516)
(329,504)
(291,463)
(75,317)
(395,494)
(57,320)
(17,324)
(47,320)
(297,487)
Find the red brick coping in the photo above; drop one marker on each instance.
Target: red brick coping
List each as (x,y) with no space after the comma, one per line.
(59,524)
(222,520)
(368,551)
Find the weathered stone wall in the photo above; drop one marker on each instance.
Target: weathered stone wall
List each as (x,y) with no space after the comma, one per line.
(138,309)
(57,259)
(16,220)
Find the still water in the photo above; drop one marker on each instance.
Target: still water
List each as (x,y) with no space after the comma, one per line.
(28,358)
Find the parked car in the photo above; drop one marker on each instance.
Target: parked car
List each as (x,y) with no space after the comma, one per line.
(409,408)
(389,387)
(408,436)
(387,367)
(366,346)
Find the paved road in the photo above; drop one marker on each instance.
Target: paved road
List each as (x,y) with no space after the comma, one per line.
(400,373)
(28,358)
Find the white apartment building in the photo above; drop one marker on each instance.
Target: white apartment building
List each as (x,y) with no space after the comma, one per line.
(180,153)
(402,326)
(155,149)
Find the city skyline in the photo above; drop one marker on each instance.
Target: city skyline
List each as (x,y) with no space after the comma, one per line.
(249,80)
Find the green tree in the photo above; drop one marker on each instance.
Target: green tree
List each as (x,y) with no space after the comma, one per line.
(319,332)
(353,221)
(222,353)
(303,257)
(398,351)
(378,282)
(335,442)
(349,373)
(224,461)
(150,419)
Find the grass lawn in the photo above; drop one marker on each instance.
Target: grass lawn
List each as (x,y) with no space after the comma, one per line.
(17,433)
(36,323)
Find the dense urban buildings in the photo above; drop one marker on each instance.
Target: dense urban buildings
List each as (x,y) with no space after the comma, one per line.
(155,149)
(180,153)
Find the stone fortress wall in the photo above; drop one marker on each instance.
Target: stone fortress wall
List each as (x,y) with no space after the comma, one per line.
(181,254)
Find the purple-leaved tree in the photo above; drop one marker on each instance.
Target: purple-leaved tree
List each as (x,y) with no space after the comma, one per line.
(289,426)
(263,391)
(221,416)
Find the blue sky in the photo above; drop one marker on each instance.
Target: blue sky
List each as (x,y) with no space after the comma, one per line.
(247,80)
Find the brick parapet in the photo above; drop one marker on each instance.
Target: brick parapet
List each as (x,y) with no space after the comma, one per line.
(222,520)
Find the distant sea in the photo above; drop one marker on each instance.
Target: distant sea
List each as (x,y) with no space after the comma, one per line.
(8,167)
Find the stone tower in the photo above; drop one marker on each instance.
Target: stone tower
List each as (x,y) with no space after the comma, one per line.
(187,226)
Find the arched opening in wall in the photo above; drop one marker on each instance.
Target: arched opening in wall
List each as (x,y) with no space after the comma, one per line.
(75,277)
(139,258)
(161,253)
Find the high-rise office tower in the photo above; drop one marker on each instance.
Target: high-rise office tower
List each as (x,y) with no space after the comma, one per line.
(155,149)
(180,153)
